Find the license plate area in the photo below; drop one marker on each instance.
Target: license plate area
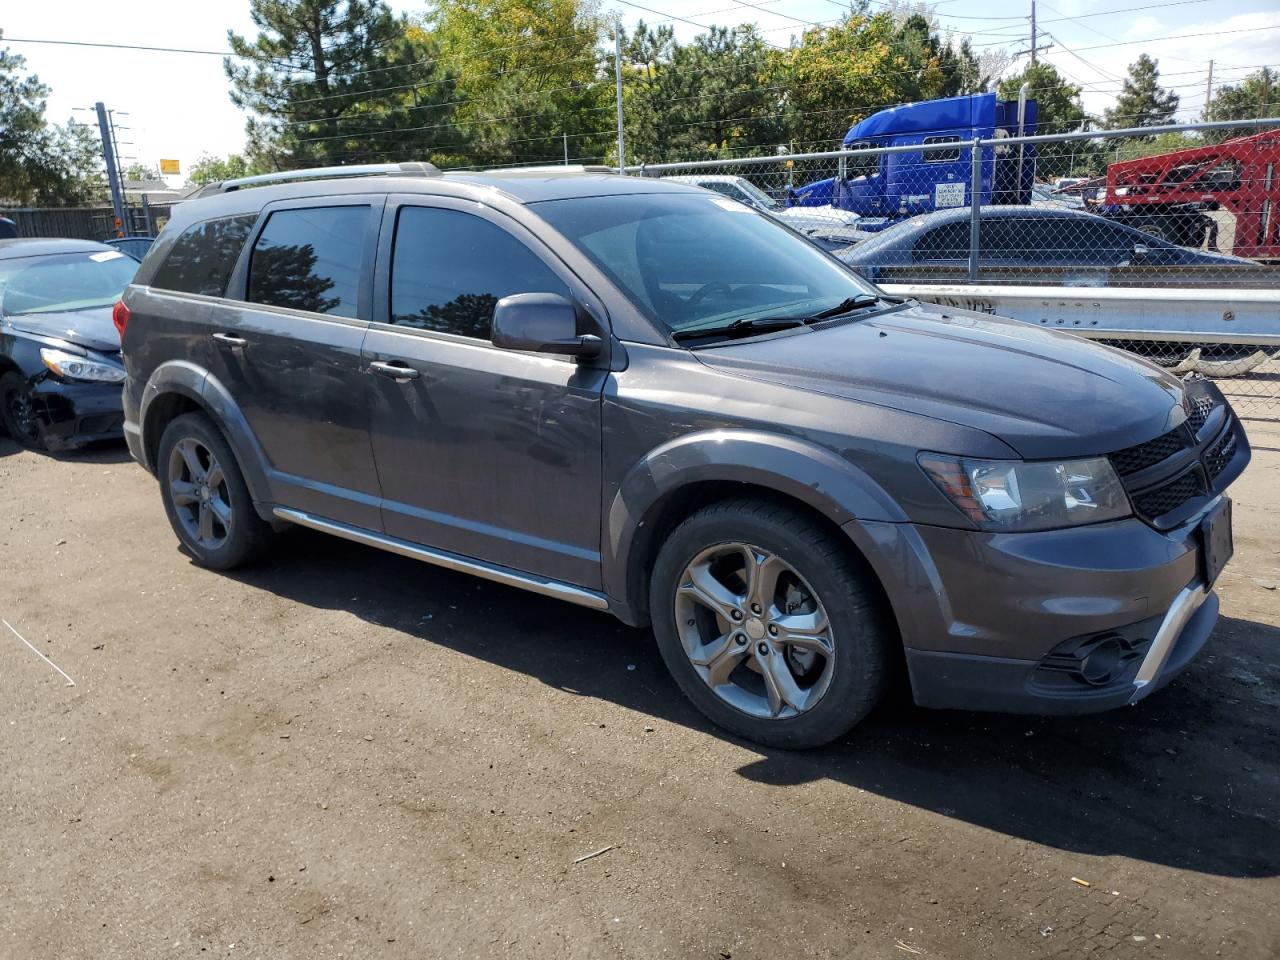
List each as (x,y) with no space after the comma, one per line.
(1216,544)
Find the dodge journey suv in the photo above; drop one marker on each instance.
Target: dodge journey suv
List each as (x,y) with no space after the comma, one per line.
(644,398)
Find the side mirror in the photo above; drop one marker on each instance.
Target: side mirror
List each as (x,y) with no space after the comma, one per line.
(1140,252)
(541,323)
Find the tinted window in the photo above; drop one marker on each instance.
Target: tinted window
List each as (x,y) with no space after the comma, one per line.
(1054,240)
(1017,238)
(202,258)
(947,242)
(449,270)
(310,259)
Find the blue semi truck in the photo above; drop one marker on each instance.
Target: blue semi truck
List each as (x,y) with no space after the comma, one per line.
(888,187)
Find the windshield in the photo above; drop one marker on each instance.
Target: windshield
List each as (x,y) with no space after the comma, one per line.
(762,199)
(696,261)
(63,281)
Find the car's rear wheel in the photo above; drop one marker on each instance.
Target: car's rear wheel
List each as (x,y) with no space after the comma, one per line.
(17,411)
(205,496)
(768,625)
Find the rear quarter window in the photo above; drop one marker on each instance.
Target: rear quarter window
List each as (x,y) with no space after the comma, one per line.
(202,258)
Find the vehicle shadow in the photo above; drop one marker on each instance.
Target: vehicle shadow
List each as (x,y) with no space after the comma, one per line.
(1186,779)
(103,451)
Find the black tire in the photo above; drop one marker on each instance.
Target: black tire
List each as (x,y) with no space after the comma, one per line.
(14,387)
(1156,228)
(860,635)
(245,534)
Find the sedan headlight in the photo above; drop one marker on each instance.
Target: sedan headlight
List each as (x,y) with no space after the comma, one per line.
(69,366)
(1011,495)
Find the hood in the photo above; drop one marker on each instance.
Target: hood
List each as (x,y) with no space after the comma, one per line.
(1045,394)
(91,329)
(824,216)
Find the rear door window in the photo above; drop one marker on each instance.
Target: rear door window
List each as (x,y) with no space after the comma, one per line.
(949,241)
(310,259)
(449,269)
(202,258)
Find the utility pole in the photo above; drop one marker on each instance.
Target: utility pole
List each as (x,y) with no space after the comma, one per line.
(566,148)
(1034,38)
(617,72)
(1208,91)
(113,171)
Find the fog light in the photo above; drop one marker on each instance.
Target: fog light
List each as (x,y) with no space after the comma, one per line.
(1102,663)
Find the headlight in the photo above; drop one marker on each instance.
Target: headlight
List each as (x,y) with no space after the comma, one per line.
(69,366)
(1009,495)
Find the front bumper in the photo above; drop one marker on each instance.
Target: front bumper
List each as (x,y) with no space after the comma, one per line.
(1061,621)
(71,414)
(1164,647)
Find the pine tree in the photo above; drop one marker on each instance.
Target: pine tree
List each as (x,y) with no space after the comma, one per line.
(1142,101)
(340,81)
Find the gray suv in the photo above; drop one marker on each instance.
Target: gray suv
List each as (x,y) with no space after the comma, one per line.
(641,397)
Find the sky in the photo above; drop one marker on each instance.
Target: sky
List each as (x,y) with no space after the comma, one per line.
(175,105)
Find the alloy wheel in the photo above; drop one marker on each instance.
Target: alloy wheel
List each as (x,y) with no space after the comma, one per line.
(198,488)
(756,633)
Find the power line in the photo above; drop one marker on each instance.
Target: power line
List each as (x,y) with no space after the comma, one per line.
(1184,36)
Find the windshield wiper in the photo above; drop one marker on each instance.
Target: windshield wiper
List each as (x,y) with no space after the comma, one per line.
(741,327)
(847,305)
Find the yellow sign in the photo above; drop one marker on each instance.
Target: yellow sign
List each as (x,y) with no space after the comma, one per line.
(170,167)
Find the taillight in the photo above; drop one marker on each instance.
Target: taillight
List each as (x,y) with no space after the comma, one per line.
(120,318)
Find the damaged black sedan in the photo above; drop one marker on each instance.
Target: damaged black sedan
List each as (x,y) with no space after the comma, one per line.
(60,370)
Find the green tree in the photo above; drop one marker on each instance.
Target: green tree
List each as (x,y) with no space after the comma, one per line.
(528,76)
(838,74)
(651,91)
(74,173)
(42,163)
(1142,102)
(211,169)
(140,171)
(728,101)
(22,127)
(340,81)
(1058,110)
(1256,96)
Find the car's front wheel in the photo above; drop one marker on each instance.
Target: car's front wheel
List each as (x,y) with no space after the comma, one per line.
(768,625)
(18,412)
(205,496)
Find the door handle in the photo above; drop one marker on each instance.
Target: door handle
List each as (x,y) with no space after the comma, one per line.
(229,340)
(396,371)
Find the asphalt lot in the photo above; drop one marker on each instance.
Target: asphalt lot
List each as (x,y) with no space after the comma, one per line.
(342,753)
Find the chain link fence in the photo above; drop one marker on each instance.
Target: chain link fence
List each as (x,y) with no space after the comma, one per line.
(1185,220)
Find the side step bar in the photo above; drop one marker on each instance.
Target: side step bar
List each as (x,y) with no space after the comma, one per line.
(450,561)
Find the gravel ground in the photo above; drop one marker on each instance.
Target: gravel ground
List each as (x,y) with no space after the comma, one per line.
(342,753)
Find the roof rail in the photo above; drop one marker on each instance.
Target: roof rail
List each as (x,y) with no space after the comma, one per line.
(323,173)
(544,169)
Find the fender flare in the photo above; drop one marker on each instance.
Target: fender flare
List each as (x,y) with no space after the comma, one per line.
(207,392)
(789,466)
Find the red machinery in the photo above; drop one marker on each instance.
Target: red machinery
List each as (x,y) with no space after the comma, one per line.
(1168,195)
